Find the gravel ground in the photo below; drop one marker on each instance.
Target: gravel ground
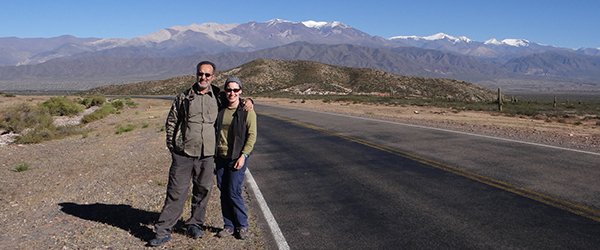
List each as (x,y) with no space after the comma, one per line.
(104,190)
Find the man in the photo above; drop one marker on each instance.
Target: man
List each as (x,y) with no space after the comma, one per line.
(191,140)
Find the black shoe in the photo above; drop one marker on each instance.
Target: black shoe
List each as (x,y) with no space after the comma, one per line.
(226,232)
(195,231)
(243,233)
(159,241)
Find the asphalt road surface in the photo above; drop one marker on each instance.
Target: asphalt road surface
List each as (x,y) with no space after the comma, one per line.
(337,182)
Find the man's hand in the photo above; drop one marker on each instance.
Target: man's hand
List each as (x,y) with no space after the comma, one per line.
(240,162)
(248,104)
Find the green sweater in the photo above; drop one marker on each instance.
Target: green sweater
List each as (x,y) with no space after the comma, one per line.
(226,137)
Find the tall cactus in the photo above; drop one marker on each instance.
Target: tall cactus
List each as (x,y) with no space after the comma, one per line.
(499,100)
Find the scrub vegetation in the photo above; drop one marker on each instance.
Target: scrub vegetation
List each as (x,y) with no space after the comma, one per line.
(35,123)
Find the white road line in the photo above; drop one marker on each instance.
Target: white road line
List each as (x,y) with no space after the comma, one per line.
(275,230)
(452,131)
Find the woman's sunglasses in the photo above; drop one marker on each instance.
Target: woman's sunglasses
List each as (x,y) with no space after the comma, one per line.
(230,90)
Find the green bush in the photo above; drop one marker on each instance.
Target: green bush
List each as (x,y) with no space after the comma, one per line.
(21,167)
(130,103)
(34,124)
(126,128)
(94,100)
(62,106)
(118,104)
(20,117)
(37,135)
(100,113)
(6,94)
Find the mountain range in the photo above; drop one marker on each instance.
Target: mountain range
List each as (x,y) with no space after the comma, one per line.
(71,63)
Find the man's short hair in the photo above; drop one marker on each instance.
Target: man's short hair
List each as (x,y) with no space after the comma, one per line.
(203,63)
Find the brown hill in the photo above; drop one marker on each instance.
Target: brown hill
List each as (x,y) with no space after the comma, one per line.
(266,77)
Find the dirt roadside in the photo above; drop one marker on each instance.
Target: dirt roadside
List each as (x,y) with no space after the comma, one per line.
(99,190)
(104,190)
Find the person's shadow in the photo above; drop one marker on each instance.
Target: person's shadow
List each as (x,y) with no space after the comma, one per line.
(132,220)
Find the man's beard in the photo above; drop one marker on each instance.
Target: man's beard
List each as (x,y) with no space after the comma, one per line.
(200,87)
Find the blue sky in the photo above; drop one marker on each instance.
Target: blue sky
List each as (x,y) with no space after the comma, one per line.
(564,23)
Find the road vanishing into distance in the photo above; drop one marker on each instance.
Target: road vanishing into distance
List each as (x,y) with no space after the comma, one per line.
(341,182)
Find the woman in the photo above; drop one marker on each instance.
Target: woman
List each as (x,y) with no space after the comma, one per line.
(236,134)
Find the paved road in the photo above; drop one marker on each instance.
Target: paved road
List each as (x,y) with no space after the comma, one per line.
(336,182)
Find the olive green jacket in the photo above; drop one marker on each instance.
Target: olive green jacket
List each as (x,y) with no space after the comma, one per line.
(179,115)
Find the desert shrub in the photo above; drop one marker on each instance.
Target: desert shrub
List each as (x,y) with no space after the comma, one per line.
(6,94)
(130,103)
(124,128)
(94,100)
(100,113)
(40,134)
(34,124)
(37,135)
(21,167)
(118,104)
(23,116)
(62,106)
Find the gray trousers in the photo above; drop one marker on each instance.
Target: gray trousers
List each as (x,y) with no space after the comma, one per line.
(185,169)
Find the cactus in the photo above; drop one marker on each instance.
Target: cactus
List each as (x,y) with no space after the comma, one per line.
(499,100)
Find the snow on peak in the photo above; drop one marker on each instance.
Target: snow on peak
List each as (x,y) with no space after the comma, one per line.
(319,25)
(516,42)
(438,36)
(509,42)
(277,21)
(443,36)
(493,41)
(405,37)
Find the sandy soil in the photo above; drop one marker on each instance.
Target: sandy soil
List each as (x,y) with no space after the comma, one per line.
(105,190)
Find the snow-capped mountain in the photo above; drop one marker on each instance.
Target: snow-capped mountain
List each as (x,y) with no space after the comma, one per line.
(167,52)
(492,48)
(216,37)
(590,51)
(435,37)
(509,42)
(211,38)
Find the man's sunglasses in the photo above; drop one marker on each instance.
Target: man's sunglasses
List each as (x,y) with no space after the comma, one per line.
(234,90)
(207,75)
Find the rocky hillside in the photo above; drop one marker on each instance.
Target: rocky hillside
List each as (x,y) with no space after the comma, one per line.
(276,77)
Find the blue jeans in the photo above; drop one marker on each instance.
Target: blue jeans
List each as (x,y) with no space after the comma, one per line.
(230,181)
